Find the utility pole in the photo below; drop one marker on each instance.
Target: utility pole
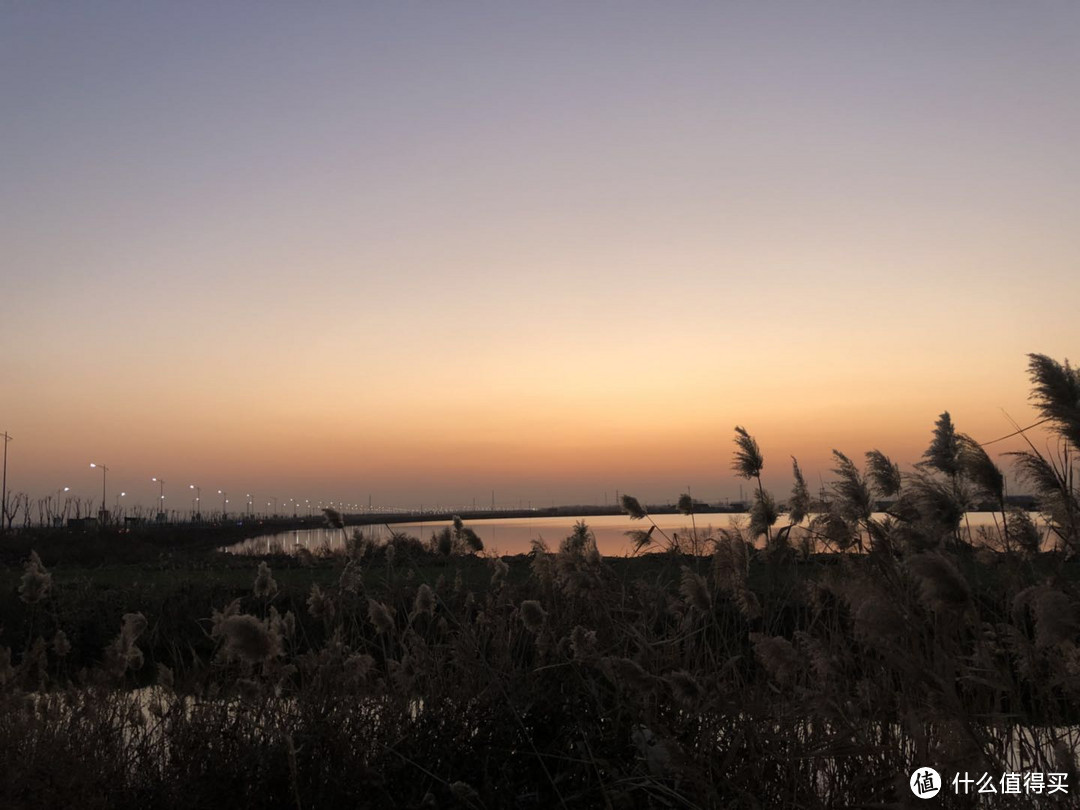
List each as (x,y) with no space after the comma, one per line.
(103,514)
(3,491)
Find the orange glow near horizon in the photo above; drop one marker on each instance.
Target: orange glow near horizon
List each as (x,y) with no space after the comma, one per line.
(651,433)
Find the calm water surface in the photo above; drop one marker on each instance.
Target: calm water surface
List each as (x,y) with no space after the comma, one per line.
(513,535)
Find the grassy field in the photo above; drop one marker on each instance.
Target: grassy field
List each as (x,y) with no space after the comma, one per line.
(737,679)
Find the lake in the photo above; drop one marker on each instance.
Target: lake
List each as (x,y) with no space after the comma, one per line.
(507,536)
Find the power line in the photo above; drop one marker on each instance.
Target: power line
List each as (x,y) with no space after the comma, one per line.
(1016,432)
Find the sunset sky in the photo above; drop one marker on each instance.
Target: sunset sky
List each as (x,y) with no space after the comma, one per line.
(423,251)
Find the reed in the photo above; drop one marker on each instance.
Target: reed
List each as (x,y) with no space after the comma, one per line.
(417,674)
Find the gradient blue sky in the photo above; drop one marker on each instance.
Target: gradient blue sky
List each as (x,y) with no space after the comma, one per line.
(425,250)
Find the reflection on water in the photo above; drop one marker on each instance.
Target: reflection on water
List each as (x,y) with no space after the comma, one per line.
(139,716)
(507,536)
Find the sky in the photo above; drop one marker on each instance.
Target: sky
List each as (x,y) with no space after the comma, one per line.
(423,252)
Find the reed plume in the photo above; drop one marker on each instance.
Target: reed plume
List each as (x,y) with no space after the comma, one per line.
(1053,482)
(380,616)
(334,518)
(979,469)
(942,585)
(358,666)
(465,538)
(352,577)
(639,539)
(123,654)
(499,570)
(939,506)
(265,586)
(1022,529)
(1038,471)
(723,564)
(883,473)
(541,563)
(248,639)
(36,582)
(580,540)
(748,461)
(284,626)
(319,604)
(444,541)
(747,602)
(686,507)
(532,615)
(685,688)
(740,553)
(632,506)
(473,541)
(778,656)
(694,591)
(799,502)
(763,514)
(1056,394)
(944,450)
(834,528)
(853,497)
(877,618)
(821,660)
(425,600)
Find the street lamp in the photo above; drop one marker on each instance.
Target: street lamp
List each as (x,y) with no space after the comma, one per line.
(104,471)
(196,505)
(3,487)
(116,508)
(161,499)
(224,503)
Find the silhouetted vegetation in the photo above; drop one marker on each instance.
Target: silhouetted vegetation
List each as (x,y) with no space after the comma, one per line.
(811,663)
